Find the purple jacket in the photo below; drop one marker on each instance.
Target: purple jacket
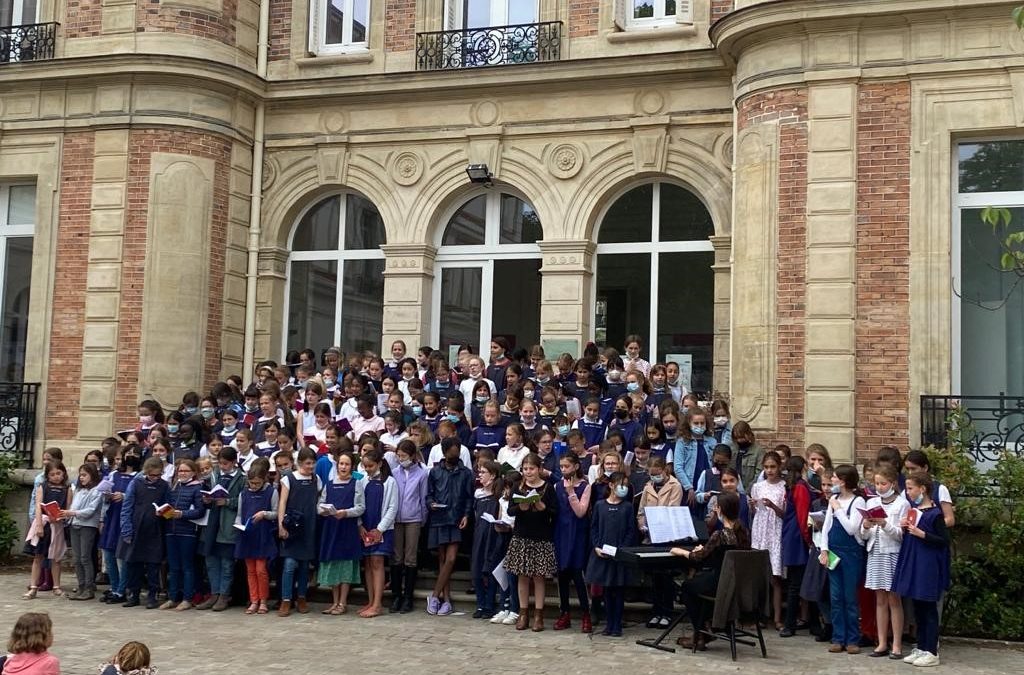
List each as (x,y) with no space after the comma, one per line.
(412,493)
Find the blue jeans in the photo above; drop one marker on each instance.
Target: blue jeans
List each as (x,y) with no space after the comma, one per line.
(221,572)
(181,575)
(843,583)
(295,572)
(116,572)
(510,595)
(485,586)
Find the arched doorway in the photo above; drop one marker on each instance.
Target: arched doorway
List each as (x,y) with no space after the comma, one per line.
(487,274)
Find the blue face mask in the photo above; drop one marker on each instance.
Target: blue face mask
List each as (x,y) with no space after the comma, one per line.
(563,430)
(918,500)
(835,489)
(417,410)
(191,410)
(632,386)
(453,418)
(208,413)
(172,428)
(228,428)
(621,491)
(697,431)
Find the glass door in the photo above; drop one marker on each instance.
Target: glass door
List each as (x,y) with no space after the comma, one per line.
(461,312)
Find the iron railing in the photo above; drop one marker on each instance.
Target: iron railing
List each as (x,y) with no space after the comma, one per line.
(18,418)
(492,46)
(997,424)
(31,42)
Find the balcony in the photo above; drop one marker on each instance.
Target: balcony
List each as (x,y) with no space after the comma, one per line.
(492,46)
(31,42)
(991,425)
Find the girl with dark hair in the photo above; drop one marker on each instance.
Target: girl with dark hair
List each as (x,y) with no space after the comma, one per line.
(841,538)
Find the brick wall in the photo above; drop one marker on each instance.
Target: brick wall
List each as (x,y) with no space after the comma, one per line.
(883,263)
(153,17)
(279,39)
(143,143)
(83,18)
(788,107)
(720,8)
(399,25)
(583,17)
(66,332)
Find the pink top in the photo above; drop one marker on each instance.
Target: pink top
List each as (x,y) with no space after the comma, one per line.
(27,663)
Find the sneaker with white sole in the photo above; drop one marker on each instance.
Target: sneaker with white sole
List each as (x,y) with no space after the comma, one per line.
(433,604)
(913,656)
(926,660)
(511,619)
(500,616)
(445,609)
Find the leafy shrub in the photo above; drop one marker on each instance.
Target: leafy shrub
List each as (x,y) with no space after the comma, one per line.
(9,533)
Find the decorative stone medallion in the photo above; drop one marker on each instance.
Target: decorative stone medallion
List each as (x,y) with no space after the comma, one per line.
(564,161)
(406,168)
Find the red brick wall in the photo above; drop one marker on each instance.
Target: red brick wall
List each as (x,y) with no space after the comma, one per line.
(399,25)
(143,143)
(66,332)
(152,17)
(83,18)
(583,16)
(789,108)
(883,264)
(720,8)
(279,39)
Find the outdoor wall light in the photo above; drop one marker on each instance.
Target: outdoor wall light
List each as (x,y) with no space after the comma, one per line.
(479,173)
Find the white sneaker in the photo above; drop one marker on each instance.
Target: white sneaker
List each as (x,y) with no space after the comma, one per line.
(913,656)
(511,619)
(500,616)
(926,659)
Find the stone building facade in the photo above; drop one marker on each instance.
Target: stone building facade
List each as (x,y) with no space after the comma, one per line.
(766,188)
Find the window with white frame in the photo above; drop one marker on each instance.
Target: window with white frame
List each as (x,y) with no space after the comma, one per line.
(640,14)
(18,12)
(336,276)
(17,225)
(339,26)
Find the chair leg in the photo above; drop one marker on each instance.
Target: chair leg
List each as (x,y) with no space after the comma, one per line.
(732,639)
(760,638)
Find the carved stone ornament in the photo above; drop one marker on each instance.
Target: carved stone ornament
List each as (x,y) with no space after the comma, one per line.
(269,171)
(564,161)
(406,168)
(485,113)
(333,121)
(649,102)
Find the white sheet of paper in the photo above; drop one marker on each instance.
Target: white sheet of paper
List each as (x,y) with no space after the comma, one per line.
(669,523)
(629,457)
(201,522)
(326,509)
(609,550)
(572,407)
(487,518)
(501,575)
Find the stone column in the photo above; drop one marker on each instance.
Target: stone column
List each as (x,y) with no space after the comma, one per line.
(271,279)
(566,299)
(722,270)
(408,295)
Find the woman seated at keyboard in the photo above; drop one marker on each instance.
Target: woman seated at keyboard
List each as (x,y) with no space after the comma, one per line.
(709,557)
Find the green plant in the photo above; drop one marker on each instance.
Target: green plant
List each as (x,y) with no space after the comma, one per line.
(9,533)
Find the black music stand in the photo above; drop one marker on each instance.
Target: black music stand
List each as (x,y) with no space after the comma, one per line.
(702,535)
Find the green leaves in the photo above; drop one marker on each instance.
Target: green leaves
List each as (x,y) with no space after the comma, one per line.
(1018,16)
(996,216)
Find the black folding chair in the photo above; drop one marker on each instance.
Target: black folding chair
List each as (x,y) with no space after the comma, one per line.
(748,597)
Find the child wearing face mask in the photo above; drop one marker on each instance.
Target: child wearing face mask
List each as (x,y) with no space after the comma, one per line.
(490,434)
(612,525)
(693,453)
(665,448)
(720,419)
(450,502)
(841,534)
(661,489)
(591,426)
(709,483)
(884,536)
(624,423)
(411,477)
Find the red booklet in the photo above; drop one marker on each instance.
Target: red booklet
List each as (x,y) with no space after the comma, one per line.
(52,510)
(913,515)
(876,513)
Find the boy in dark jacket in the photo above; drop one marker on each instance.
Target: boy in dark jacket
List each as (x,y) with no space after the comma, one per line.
(450,500)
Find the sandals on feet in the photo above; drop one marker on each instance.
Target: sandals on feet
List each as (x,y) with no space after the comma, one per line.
(58,592)
(330,610)
(32,590)
(337,610)
(251,609)
(263,608)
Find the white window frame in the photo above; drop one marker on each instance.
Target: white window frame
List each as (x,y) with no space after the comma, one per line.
(623,15)
(477,256)
(654,248)
(18,14)
(454,13)
(339,256)
(8,231)
(318,29)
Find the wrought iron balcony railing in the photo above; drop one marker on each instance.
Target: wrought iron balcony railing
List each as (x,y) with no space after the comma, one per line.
(996,424)
(492,46)
(31,42)
(18,418)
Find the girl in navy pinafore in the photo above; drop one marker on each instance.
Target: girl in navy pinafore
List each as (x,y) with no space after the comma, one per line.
(796,538)
(340,547)
(257,545)
(110,535)
(300,492)
(377,526)
(572,540)
(484,538)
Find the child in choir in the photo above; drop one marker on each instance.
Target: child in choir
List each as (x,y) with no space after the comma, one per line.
(841,535)
(768,499)
(610,463)
(283,463)
(612,526)
(256,544)
(341,504)
(693,453)
(721,422)
(394,431)
(819,468)
(922,572)
(577,447)
(515,448)
(747,455)
(187,501)
(544,441)
(376,526)
(729,481)
(219,536)
(624,423)
(572,540)
(531,553)
(710,482)
(661,489)
(110,535)
(229,426)
(485,501)
(296,527)
(46,538)
(917,460)
(450,500)
(508,602)
(83,520)
(481,395)
(161,450)
(884,537)
(142,532)
(796,539)
(491,431)
(411,477)
(528,416)
(591,425)
(244,448)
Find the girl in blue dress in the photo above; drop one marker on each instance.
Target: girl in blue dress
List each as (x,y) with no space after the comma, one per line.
(341,504)
(613,525)
(111,531)
(296,526)
(796,539)
(572,540)
(485,502)
(376,526)
(256,545)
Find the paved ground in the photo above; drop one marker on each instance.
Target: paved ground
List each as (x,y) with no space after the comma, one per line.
(417,644)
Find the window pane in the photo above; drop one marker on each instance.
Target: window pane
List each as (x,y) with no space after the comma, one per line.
(670,7)
(516,302)
(335,22)
(364,228)
(460,306)
(623,298)
(522,11)
(362,306)
(686,312)
(991,312)
(21,209)
(311,300)
(477,13)
(643,9)
(466,228)
(992,167)
(17,278)
(683,216)
(519,222)
(318,229)
(629,218)
(360,20)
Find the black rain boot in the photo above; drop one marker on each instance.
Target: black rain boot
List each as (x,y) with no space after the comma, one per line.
(410,588)
(397,579)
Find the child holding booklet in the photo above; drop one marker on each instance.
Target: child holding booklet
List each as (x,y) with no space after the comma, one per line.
(485,509)
(572,540)
(841,538)
(612,527)
(341,504)
(296,526)
(508,615)
(142,531)
(450,500)
(376,526)
(255,544)
(884,537)
(187,504)
(46,539)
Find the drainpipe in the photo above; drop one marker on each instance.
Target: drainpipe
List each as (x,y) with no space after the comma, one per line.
(255,202)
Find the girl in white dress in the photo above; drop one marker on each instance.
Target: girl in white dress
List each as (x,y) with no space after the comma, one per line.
(768,499)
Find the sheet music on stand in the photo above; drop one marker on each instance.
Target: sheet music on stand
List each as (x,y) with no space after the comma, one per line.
(669,523)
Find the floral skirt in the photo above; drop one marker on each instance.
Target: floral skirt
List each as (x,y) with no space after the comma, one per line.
(530,558)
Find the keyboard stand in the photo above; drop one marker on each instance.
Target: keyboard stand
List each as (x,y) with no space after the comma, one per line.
(656,642)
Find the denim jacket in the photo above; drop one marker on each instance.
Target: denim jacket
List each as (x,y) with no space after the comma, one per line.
(684,459)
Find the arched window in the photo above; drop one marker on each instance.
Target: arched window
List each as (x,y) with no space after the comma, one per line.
(654,277)
(338,238)
(487,274)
